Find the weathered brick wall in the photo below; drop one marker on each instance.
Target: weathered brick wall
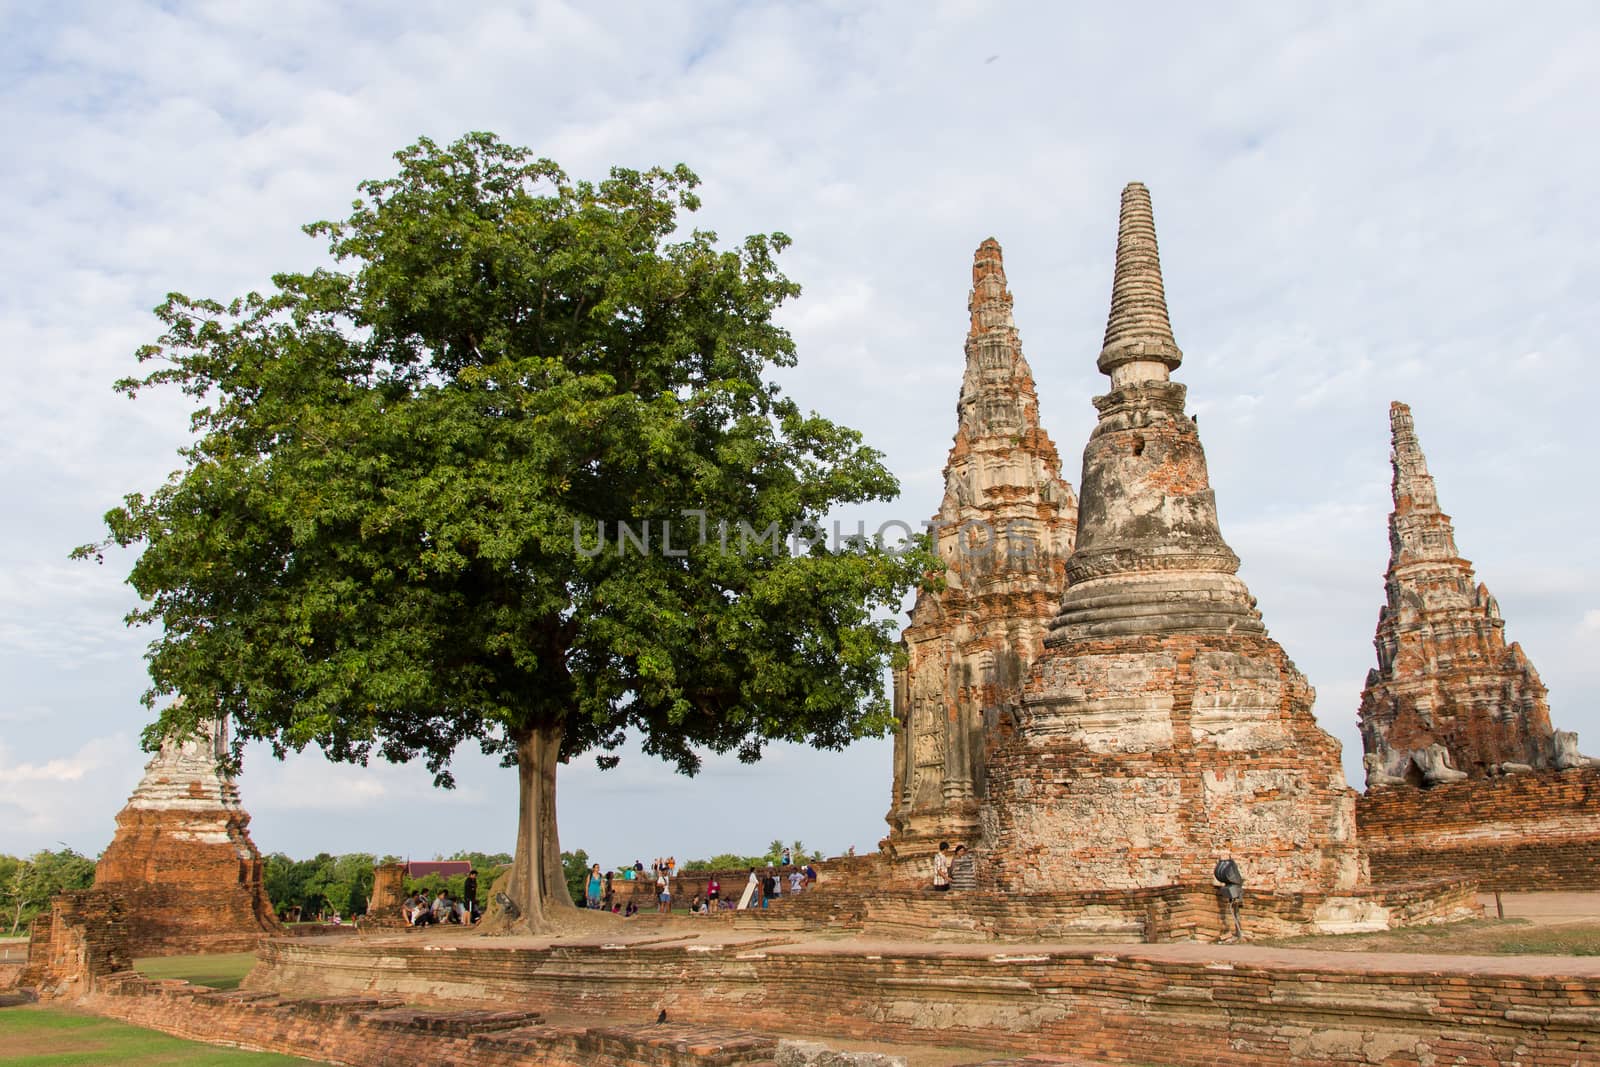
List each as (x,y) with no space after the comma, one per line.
(1119,1007)
(380,1031)
(1140,759)
(1168,913)
(1520,832)
(83,939)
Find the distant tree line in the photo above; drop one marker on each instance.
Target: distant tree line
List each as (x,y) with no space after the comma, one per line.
(26,885)
(326,883)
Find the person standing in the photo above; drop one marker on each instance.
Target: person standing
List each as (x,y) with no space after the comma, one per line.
(607,897)
(941,867)
(713,891)
(1232,890)
(593,893)
(469,893)
(663,892)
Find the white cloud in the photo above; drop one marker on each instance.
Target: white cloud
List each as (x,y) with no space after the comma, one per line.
(70,797)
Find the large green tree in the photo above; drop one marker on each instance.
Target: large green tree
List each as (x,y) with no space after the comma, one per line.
(513,472)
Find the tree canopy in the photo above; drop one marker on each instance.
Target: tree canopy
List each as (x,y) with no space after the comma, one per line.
(513,472)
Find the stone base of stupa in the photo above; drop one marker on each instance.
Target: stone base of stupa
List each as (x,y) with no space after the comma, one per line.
(915,836)
(1139,761)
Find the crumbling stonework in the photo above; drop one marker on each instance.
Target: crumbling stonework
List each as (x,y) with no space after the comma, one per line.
(1161,725)
(182,862)
(384,907)
(80,942)
(1004,530)
(1527,832)
(1449,698)
(1190,1005)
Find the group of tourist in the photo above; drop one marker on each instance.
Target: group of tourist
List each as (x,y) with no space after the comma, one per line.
(600,894)
(950,866)
(445,907)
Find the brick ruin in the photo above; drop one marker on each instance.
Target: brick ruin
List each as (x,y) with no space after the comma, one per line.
(1004,529)
(1167,1004)
(180,876)
(1161,726)
(1449,699)
(1466,776)
(1516,832)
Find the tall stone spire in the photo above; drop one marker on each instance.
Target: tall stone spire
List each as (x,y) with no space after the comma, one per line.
(1449,698)
(1004,529)
(1160,726)
(1138,344)
(1150,557)
(1418,530)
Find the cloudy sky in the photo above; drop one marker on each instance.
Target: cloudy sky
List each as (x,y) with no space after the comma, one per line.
(1353,208)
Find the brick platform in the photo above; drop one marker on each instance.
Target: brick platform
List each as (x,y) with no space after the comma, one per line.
(1521,832)
(1168,1004)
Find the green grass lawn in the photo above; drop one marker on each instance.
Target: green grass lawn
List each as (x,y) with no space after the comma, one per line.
(222,971)
(55,1037)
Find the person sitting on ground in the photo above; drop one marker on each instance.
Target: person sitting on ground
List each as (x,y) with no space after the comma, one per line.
(616,908)
(460,913)
(441,907)
(694,905)
(633,909)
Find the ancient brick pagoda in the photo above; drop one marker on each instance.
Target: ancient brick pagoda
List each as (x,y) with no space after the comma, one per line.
(1449,698)
(1004,529)
(182,862)
(1161,725)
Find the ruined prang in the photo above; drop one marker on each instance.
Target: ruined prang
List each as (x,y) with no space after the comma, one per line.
(1004,530)
(1449,698)
(182,861)
(1161,725)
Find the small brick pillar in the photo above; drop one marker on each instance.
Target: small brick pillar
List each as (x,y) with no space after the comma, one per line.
(388,891)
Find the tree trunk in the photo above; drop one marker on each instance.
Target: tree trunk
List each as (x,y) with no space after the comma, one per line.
(537,883)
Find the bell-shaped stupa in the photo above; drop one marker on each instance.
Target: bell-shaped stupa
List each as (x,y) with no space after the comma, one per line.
(1161,727)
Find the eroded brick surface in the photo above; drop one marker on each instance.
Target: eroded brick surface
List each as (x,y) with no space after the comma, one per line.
(1004,530)
(1161,727)
(1115,1004)
(1535,831)
(1449,697)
